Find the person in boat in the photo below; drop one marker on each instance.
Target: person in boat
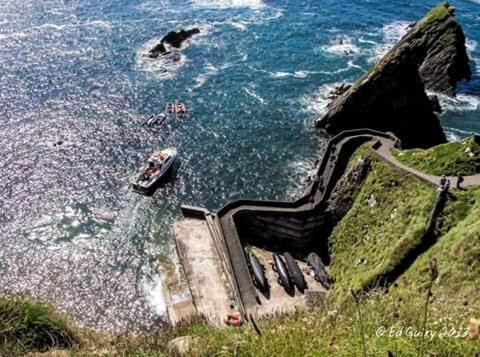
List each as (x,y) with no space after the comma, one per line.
(149,171)
(180,107)
(170,108)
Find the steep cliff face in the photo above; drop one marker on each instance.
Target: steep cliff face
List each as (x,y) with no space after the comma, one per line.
(438,47)
(391,95)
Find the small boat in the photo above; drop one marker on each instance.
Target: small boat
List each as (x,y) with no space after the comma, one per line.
(180,108)
(170,108)
(257,271)
(315,262)
(283,276)
(156,120)
(157,166)
(295,272)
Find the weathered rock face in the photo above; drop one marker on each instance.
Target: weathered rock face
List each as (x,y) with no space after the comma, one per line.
(438,47)
(391,96)
(174,39)
(344,193)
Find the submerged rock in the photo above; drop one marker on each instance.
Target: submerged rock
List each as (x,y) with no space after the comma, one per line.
(174,39)
(391,95)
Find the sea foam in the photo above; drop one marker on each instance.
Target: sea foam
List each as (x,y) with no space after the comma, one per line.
(225,4)
(392,33)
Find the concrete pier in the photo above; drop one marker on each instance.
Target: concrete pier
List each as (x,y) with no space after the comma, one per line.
(209,286)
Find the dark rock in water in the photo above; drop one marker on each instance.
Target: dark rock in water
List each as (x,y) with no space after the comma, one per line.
(437,108)
(391,95)
(338,91)
(174,39)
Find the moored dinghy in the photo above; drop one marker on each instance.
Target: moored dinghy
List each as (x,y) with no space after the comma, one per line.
(257,271)
(170,108)
(157,166)
(283,276)
(295,272)
(315,262)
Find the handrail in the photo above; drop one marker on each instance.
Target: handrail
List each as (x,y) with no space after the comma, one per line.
(305,198)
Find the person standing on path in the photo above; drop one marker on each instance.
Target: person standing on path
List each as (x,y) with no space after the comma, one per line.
(443,181)
(459,180)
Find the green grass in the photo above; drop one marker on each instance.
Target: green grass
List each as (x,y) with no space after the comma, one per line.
(26,325)
(457,251)
(327,333)
(439,12)
(387,219)
(447,159)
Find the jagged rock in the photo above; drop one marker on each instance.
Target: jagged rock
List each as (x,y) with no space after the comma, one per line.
(343,195)
(438,47)
(338,91)
(174,39)
(437,108)
(391,95)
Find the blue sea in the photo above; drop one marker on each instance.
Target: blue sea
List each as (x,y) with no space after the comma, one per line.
(76,87)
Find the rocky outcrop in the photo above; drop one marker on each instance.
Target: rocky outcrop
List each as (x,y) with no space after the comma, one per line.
(391,95)
(344,193)
(437,44)
(174,39)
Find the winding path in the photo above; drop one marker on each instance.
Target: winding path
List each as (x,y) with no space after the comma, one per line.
(384,151)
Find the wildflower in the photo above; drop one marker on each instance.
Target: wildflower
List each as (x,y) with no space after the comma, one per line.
(474,329)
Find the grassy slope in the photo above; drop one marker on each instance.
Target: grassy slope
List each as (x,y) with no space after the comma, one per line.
(451,158)
(385,220)
(31,326)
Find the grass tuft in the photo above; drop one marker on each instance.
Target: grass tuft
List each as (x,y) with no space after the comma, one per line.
(26,325)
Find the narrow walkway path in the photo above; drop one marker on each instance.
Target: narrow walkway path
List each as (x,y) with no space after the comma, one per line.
(384,150)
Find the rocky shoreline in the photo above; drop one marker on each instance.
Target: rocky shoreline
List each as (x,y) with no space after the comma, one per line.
(392,96)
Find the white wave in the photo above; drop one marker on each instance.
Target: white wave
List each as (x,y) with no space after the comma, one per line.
(226,4)
(161,67)
(392,33)
(451,136)
(239,25)
(476,60)
(155,296)
(254,95)
(462,103)
(296,74)
(55,27)
(13,35)
(341,46)
(317,102)
(454,134)
(298,173)
(99,23)
(471,45)
(203,77)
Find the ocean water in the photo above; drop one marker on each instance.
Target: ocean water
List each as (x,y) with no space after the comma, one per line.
(254,80)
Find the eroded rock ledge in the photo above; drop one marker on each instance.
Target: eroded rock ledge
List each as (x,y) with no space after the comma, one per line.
(391,95)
